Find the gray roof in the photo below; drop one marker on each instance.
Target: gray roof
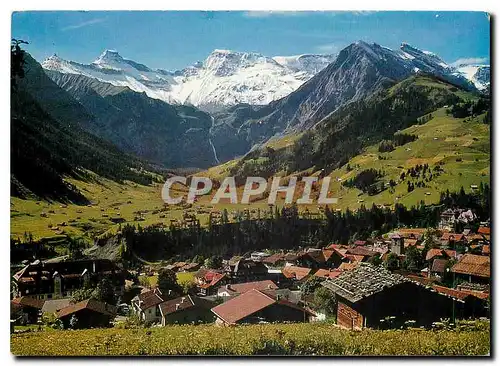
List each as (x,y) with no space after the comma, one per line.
(52,306)
(363,281)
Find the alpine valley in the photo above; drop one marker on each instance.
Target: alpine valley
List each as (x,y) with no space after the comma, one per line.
(223,107)
(116,128)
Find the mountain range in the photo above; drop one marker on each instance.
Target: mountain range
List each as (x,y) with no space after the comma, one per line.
(248,98)
(225,78)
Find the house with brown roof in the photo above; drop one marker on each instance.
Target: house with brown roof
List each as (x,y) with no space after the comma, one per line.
(467,305)
(26,309)
(88,313)
(256,307)
(320,258)
(186,310)
(473,268)
(145,305)
(229,290)
(368,294)
(245,270)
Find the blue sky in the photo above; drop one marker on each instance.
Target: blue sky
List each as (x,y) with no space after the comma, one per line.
(172,40)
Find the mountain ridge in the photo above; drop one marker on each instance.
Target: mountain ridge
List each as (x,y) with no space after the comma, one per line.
(224,78)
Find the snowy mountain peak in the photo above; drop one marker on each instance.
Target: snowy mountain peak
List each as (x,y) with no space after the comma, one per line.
(108,56)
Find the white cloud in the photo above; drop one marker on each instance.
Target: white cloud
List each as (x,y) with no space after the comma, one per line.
(329,48)
(84,24)
(471,61)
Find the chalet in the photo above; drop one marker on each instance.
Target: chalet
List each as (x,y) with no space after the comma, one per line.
(48,280)
(88,313)
(186,310)
(256,307)
(245,270)
(473,268)
(467,305)
(368,294)
(27,309)
(320,258)
(209,280)
(240,288)
(145,306)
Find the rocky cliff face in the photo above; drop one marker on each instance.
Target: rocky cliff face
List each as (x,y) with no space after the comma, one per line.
(171,135)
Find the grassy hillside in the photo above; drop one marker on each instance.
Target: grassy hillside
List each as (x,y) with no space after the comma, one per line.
(441,141)
(270,339)
(47,144)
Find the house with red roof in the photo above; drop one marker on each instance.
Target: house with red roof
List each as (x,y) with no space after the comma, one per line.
(213,281)
(296,273)
(473,268)
(26,309)
(327,273)
(257,307)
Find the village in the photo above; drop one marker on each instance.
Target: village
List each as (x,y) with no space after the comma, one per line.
(409,276)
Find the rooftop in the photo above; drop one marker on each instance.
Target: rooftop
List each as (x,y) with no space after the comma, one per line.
(363,281)
(240,288)
(242,306)
(91,304)
(474,265)
(296,272)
